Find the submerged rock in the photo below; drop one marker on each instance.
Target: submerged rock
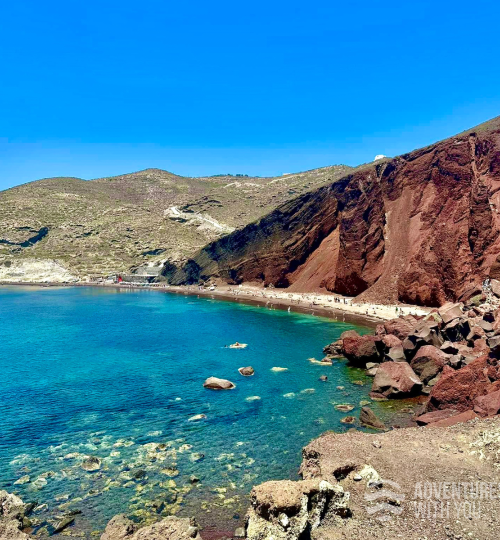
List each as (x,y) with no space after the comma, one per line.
(197,417)
(279,369)
(90,464)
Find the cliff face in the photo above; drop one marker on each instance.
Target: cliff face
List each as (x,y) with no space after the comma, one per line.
(420,228)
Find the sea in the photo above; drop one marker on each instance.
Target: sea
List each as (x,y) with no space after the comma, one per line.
(114,377)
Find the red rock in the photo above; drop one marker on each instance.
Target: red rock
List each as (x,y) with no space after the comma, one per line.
(488,405)
(380,330)
(349,334)
(449,312)
(399,327)
(453,420)
(428,362)
(391,340)
(493,387)
(481,347)
(395,380)
(361,349)
(457,389)
(379,240)
(434,416)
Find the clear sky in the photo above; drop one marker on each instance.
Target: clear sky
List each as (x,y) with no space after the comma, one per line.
(98,88)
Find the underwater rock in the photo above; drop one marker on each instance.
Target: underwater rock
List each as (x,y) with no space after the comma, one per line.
(23,480)
(279,369)
(91,464)
(344,407)
(252,398)
(197,417)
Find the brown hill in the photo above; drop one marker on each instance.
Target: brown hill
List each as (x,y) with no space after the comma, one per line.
(110,225)
(420,228)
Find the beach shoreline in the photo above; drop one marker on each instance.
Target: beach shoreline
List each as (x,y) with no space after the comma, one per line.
(328,305)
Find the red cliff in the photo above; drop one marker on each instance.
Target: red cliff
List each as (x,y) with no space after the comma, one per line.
(421,228)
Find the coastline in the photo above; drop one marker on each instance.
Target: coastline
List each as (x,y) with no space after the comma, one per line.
(308,303)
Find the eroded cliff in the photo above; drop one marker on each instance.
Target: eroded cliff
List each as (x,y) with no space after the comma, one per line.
(421,228)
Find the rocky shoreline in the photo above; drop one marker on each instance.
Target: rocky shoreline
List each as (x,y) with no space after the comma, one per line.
(451,355)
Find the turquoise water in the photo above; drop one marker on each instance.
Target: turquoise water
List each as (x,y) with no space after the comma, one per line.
(116,374)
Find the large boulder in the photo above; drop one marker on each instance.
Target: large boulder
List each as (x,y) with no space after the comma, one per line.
(449,312)
(488,405)
(334,349)
(434,416)
(399,327)
(457,330)
(169,528)
(396,380)
(12,513)
(457,389)
(213,383)
(361,349)
(368,418)
(428,362)
(286,510)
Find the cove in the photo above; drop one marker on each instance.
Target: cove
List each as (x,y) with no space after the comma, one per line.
(116,374)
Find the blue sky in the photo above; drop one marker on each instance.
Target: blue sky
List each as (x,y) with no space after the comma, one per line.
(93,89)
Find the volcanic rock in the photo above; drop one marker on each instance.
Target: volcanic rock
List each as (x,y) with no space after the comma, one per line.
(169,528)
(361,349)
(428,362)
(458,389)
(488,405)
(368,418)
(396,380)
(213,383)
(449,312)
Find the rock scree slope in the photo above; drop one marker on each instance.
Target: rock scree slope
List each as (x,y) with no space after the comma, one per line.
(421,228)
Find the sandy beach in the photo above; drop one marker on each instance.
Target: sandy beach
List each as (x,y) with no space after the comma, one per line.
(329,305)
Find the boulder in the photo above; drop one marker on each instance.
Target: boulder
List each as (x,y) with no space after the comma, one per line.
(396,380)
(246,371)
(457,389)
(399,327)
(456,419)
(361,349)
(434,416)
(494,344)
(368,418)
(390,341)
(286,510)
(348,334)
(449,348)
(395,354)
(169,528)
(485,325)
(457,330)
(428,362)
(213,383)
(449,312)
(334,349)
(487,405)
(476,333)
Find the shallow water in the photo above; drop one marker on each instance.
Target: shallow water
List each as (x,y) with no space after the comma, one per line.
(115,373)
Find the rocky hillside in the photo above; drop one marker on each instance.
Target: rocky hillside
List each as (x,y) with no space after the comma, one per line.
(421,228)
(98,227)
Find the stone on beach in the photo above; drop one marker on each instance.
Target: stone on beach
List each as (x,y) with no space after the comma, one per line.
(214,383)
